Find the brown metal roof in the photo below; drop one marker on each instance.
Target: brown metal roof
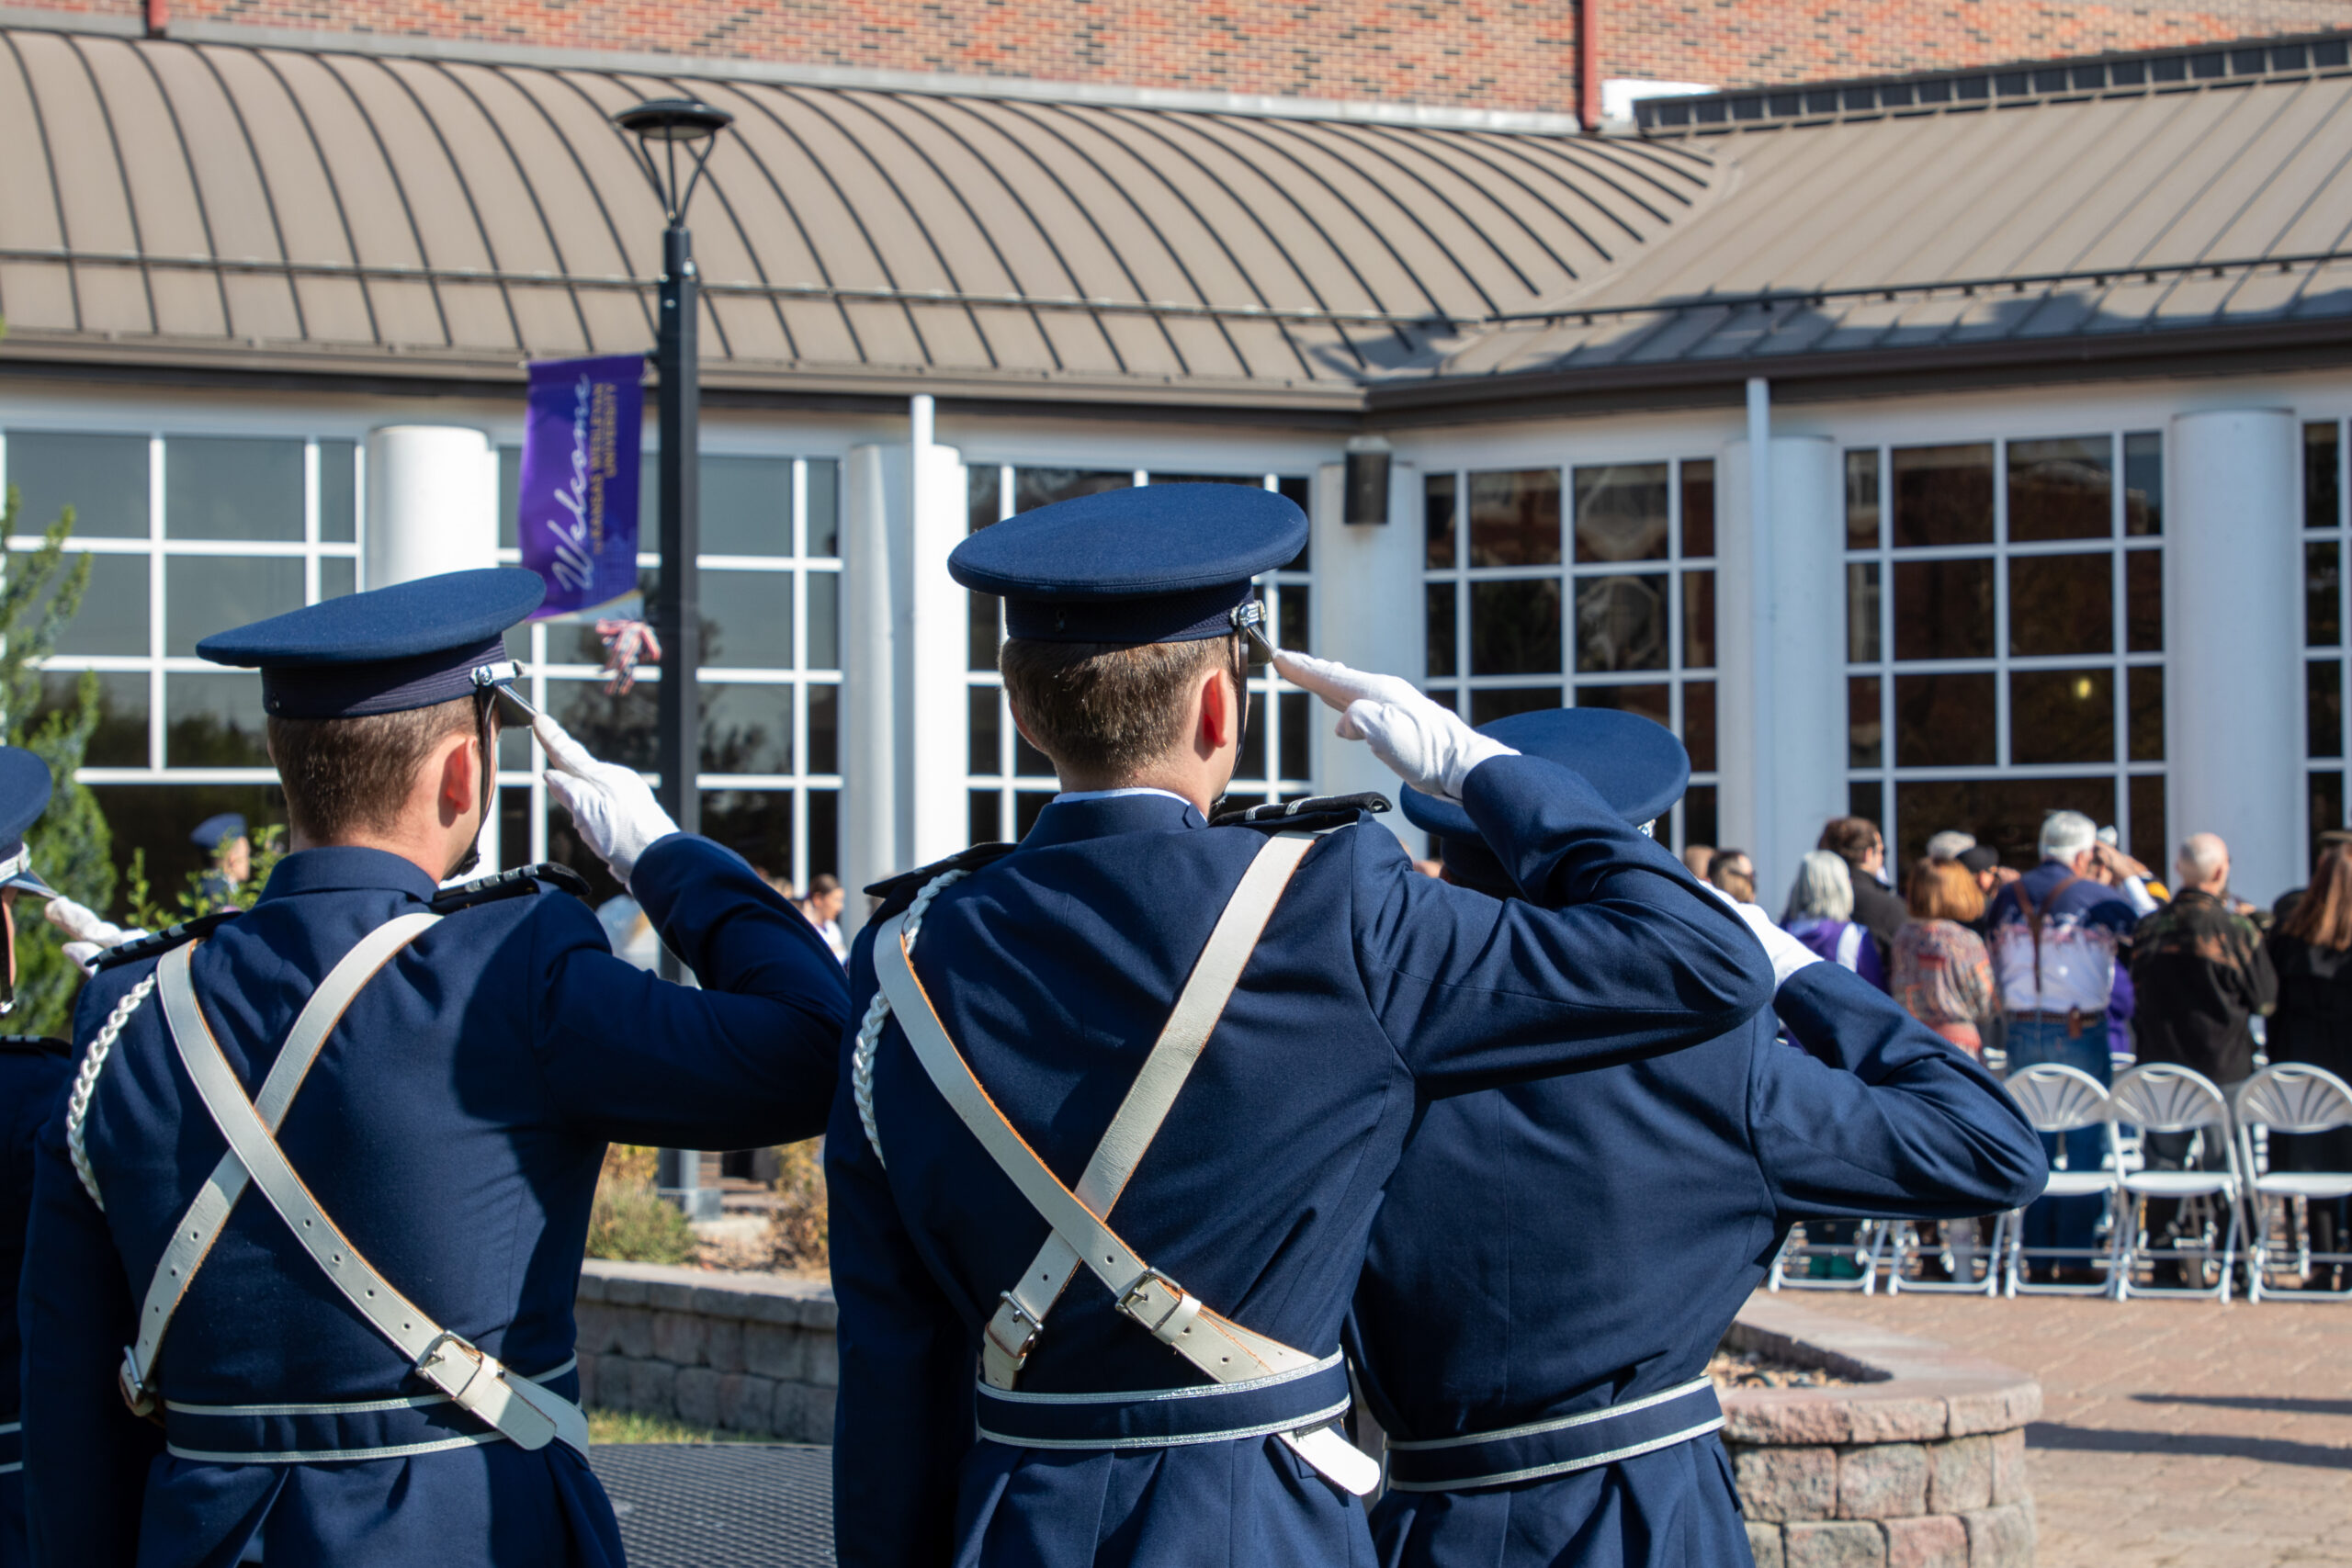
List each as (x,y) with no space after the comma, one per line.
(166,203)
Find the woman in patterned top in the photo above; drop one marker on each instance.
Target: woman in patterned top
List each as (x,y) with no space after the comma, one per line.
(1942,975)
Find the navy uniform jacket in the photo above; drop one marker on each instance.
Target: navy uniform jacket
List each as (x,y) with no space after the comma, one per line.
(453,1127)
(1373,987)
(1556,1248)
(31,1079)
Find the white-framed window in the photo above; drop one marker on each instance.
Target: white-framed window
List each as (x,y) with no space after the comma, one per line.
(188,534)
(1010,780)
(2327,529)
(2005,638)
(1586,584)
(770,766)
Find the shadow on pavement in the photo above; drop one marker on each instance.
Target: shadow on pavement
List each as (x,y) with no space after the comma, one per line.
(2264,1450)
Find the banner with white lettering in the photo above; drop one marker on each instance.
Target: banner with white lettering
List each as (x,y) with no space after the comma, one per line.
(577,501)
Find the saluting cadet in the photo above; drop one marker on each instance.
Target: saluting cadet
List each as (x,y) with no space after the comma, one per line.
(1556,1262)
(305,1243)
(32,1072)
(1112,1137)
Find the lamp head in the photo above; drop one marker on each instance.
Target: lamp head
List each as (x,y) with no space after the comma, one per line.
(673,120)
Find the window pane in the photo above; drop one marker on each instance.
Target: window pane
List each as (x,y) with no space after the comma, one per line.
(1866,798)
(755,823)
(981,634)
(1865,728)
(1943,609)
(510,496)
(1440,599)
(745,728)
(2144,697)
(1698,507)
(614,728)
(2062,603)
(167,814)
(1292,618)
(1437,522)
(982,704)
(2061,716)
(1250,767)
(338,575)
(1862,612)
(1033,488)
(1698,620)
(1620,623)
(2323,593)
(113,617)
(121,738)
(1027,761)
(2323,708)
(746,506)
(2144,602)
(1943,495)
(824,596)
(1298,735)
(232,487)
(2004,814)
(513,829)
(1862,499)
(214,721)
(1248,482)
(203,594)
(1943,721)
(2144,485)
(1515,518)
(1515,628)
(984,818)
(983,485)
(2063,488)
(2320,467)
(1621,513)
(339,491)
(1649,700)
(1489,706)
(1698,810)
(1026,806)
(824,530)
(2327,805)
(824,728)
(102,478)
(746,619)
(1698,725)
(2148,836)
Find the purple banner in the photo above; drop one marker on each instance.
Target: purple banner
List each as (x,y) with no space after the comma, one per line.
(577,496)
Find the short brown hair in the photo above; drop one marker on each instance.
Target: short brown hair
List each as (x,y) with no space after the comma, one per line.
(1104,710)
(344,775)
(1848,838)
(1945,890)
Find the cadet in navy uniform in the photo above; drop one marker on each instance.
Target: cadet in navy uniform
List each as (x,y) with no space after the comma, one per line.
(1555,1262)
(32,1072)
(367,1273)
(223,837)
(1242,1019)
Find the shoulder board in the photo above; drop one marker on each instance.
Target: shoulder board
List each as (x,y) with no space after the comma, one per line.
(164,941)
(906,884)
(34,1045)
(1313,814)
(513,884)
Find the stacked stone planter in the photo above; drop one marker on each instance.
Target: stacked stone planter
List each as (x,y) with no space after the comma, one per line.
(1920,1463)
(747,1353)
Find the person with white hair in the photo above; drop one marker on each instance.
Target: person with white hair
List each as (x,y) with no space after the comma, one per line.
(1821,915)
(2056,934)
(1950,844)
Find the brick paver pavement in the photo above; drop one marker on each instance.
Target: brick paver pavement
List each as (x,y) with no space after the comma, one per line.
(2172,1432)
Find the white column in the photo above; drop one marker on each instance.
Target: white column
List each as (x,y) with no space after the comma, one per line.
(873,490)
(1781,708)
(1369,613)
(2233,679)
(431,507)
(935,645)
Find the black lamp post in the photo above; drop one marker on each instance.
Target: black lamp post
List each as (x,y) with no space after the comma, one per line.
(662,128)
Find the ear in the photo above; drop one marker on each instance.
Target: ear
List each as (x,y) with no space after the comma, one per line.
(1220,709)
(460,776)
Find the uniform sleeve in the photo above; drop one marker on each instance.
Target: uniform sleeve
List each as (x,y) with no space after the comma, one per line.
(746,1060)
(85,1454)
(1880,1117)
(1616,952)
(904,1420)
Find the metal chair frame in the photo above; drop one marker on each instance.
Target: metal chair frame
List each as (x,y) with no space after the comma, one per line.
(1868,1250)
(2289,1097)
(1975,1264)
(2159,1096)
(2058,1099)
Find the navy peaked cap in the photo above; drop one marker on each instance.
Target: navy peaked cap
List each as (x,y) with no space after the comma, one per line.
(215,831)
(386,651)
(1638,765)
(24,796)
(1155,563)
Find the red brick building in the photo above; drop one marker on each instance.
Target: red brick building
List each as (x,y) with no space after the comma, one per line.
(1520,55)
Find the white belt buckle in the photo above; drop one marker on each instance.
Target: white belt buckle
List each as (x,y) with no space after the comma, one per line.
(431,1358)
(1182,1307)
(1031,1329)
(133,1384)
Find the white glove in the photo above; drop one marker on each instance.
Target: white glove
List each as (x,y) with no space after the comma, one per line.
(1787,953)
(612,808)
(88,934)
(1427,745)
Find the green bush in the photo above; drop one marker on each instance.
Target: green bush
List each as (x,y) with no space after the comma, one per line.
(631,1223)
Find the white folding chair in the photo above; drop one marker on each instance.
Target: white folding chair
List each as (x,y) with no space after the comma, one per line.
(1865,1254)
(2162,1098)
(2289,1098)
(2059,1099)
(1973,1267)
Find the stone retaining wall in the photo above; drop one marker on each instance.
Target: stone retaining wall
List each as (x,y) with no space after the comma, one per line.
(1921,1465)
(748,1353)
